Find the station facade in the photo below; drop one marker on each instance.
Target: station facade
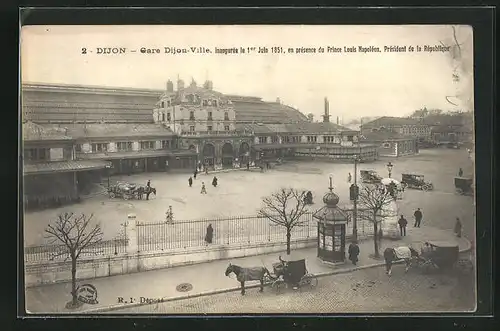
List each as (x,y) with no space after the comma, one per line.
(81,134)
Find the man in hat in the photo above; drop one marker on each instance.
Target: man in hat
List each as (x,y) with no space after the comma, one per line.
(190,181)
(402,225)
(353,252)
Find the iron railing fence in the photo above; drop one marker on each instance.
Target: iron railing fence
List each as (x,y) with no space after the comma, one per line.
(61,252)
(163,236)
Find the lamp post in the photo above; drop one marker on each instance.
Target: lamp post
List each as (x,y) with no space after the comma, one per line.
(389,168)
(354,197)
(108,167)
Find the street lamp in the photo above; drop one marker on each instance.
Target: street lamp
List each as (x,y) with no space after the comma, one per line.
(108,167)
(389,168)
(354,191)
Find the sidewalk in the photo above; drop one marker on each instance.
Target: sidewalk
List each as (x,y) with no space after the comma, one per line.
(209,278)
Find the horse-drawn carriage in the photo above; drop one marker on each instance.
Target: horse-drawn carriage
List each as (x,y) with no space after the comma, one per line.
(370,177)
(416,181)
(463,186)
(122,190)
(291,274)
(285,274)
(129,191)
(445,256)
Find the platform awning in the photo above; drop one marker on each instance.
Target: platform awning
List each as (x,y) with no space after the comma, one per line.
(64,166)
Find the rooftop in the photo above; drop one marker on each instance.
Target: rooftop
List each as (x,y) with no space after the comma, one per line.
(33,132)
(103,130)
(383,136)
(390,121)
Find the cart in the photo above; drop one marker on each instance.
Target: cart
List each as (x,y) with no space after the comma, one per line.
(370,177)
(463,186)
(291,274)
(123,190)
(416,182)
(443,256)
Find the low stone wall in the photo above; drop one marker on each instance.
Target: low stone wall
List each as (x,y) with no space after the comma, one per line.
(60,271)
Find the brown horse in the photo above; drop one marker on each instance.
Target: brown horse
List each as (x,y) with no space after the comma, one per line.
(248,274)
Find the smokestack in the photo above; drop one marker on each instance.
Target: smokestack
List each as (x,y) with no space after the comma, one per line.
(326,116)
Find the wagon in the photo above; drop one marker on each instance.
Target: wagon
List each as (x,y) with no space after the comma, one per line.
(444,256)
(370,177)
(123,190)
(463,186)
(291,274)
(416,182)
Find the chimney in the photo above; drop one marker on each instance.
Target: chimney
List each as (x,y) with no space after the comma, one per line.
(170,86)
(326,116)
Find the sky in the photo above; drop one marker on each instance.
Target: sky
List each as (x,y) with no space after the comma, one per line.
(356,84)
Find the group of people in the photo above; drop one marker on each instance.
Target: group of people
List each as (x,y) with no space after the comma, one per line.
(402,222)
(215,182)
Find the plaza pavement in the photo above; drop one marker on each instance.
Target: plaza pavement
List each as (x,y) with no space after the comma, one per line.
(240,193)
(209,278)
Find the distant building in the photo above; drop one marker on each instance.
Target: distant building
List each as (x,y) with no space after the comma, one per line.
(451,128)
(405,126)
(391,143)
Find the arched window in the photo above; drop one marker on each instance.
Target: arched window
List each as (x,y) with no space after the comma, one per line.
(163,117)
(191,115)
(226,116)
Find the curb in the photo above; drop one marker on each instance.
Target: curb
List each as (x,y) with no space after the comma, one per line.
(237,288)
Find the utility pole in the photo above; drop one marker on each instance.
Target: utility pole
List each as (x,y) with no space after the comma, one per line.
(355,203)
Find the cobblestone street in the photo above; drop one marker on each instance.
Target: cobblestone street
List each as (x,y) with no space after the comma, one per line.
(346,293)
(240,193)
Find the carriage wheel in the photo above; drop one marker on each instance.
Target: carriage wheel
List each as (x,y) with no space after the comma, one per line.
(112,195)
(278,285)
(310,280)
(425,188)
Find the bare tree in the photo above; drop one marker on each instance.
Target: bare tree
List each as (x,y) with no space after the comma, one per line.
(76,235)
(375,199)
(285,208)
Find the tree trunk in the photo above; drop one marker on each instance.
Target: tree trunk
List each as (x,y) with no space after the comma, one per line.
(73,280)
(375,234)
(288,238)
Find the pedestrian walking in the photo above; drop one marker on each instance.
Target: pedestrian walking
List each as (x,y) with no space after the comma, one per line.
(353,252)
(248,165)
(206,170)
(203,188)
(210,234)
(214,181)
(169,215)
(190,181)
(418,218)
(349,178)
(195,173)
(402,225)
(460,172)
(458,228)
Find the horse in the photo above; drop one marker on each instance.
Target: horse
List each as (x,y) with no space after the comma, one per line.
(395,254)
(141,190)
(248,274)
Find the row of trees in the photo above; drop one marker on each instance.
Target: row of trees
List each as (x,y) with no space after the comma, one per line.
(285,208)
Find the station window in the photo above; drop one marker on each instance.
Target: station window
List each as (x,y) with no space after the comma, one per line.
(209,116)
(226,116)
(99,148)
(226,127)
(165,144)
(168,117)
(124,146)
(191,128)
(191,115)
(209,128)
(262,140)
(147,144)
